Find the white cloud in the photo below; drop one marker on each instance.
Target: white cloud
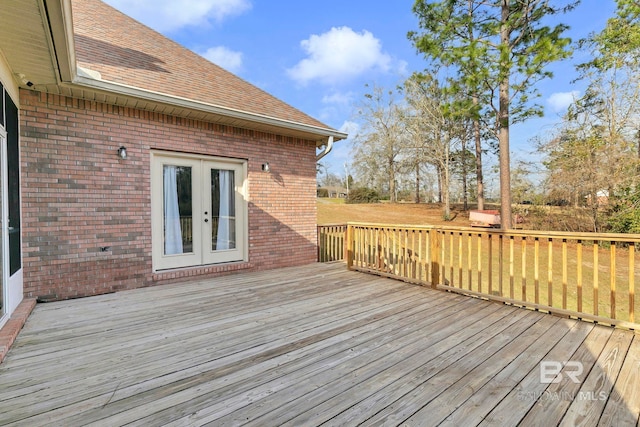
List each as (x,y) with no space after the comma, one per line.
(338,98)
(170,15)
(226,58)
(559,101)
(349,127)
(339,55)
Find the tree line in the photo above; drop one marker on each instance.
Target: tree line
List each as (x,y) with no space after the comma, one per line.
(483,60)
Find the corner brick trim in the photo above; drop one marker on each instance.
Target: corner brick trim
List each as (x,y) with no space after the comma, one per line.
(14,325)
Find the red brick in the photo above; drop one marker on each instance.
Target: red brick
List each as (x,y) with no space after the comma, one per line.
(77,196)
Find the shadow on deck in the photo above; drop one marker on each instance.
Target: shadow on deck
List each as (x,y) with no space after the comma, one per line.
(312,345)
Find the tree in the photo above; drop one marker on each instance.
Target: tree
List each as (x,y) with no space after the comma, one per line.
(584,162)
(433,128)
(499,49)
(609,116)
(378,147)
(462,162)
(451,38)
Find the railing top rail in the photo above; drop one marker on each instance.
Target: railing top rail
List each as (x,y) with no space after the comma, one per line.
(337,224)
(382,225)
(608,237)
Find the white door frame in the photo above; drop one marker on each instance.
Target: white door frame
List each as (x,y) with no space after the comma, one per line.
(202,253)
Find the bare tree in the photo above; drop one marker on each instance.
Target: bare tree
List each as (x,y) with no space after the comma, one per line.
(433,129)
(596,154)
(380,143)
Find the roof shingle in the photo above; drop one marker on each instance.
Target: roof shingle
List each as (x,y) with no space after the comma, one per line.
(127,52)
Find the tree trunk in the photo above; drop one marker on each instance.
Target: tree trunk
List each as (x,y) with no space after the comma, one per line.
(503,122)
(392,182)
(476,122)
(478,140)
(417,182)
(447,181)
(465,197)
(439,174)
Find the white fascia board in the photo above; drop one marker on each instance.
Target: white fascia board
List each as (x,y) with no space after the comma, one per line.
(60,22)
(131,91)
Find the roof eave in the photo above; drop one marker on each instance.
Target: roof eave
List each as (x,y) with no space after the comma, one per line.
(60,19)
(83,82)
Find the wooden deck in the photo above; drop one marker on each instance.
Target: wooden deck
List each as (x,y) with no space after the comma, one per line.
(310,346)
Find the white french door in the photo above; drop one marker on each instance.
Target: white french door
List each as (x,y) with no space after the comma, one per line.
(199,210)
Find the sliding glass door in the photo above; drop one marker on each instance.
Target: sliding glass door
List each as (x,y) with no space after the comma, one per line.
(199,211)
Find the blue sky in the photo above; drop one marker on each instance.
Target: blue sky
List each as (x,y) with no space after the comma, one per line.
(318,56)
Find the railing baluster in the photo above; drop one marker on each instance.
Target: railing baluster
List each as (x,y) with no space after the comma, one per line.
(511,267)
(612,279)
(595,277)
(434,253)
(332,244)
(378,249)
(632,282)
(524,268)
(394,251)
(451,267)
(460,259)
(579,275)
(420,264)
(442,256)
(550,273)
(469,259)
(564,273)
(500,264)
(406,253)
(490,264)
(536,270)
(489,268)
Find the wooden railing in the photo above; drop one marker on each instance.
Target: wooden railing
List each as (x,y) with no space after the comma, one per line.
(331,242)
(583,275)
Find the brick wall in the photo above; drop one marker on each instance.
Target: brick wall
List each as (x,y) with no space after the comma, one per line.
(79,197)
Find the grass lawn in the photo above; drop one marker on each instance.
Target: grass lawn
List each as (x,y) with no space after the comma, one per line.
(330,211)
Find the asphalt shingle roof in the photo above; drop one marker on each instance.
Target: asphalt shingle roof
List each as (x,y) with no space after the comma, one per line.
(127,52)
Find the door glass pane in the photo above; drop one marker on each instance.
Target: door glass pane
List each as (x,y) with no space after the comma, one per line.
(177,208)
(223,210)
(13,185)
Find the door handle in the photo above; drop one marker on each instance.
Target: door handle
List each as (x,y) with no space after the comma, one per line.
(206,220)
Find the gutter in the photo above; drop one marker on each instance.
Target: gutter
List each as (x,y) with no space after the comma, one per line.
(327,149)
(86,80)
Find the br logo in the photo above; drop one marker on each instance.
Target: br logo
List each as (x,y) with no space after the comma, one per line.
(551,371)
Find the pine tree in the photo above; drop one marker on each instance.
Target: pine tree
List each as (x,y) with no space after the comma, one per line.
(499,49)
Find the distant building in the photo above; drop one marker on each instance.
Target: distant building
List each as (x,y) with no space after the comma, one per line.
(332,192)
(602,198)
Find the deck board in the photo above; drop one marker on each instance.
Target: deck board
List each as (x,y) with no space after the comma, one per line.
(308,346)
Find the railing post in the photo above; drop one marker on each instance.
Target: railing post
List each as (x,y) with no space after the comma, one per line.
(348,246)
(434,255)
(319,242)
